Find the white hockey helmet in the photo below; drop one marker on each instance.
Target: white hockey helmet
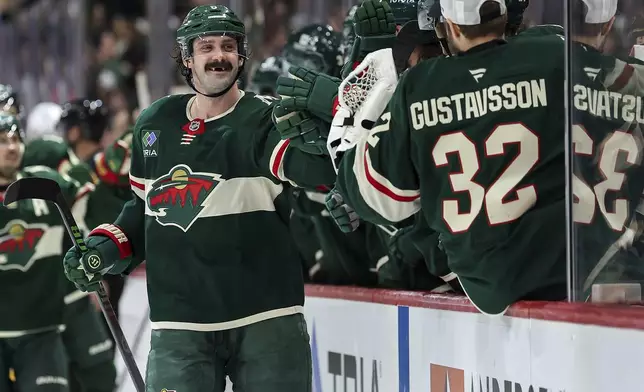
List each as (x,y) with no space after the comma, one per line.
(43,120)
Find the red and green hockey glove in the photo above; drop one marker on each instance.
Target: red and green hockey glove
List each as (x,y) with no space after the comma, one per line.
(304,131)
(114,250)
(309,90)
(113,164)
(343,215)
(375,27)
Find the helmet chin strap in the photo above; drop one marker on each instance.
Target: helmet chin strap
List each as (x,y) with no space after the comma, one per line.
(188,76)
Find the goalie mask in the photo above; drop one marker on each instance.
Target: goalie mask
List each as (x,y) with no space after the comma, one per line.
(9,101)
(209,20)
(315,47)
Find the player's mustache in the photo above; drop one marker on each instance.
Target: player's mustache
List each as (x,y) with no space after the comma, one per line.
(223,65)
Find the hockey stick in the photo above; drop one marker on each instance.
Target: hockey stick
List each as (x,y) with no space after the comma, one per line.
(49,190)
(136,342)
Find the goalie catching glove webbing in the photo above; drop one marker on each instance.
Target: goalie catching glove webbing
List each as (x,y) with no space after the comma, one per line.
(362,99)
(114,249)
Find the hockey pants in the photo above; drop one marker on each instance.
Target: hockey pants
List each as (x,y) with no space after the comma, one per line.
(38,360)
(89,348)
(269,356)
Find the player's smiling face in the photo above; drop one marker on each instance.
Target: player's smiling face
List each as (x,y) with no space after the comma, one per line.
(11,151)
(214,63)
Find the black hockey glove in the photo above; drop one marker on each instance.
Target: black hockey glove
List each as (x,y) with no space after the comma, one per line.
(343,215)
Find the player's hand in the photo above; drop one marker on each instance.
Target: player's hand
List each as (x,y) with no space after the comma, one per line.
(374,18)
(343,215)
(73,261)
(375,28)
(308,90)
(304,131)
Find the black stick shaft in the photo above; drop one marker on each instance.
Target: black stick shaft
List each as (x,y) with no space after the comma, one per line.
(103,299)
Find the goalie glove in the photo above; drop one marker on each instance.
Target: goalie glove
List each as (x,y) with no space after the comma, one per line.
(362,98)
(343,136)
(343,215)
(308,90)
(306,133)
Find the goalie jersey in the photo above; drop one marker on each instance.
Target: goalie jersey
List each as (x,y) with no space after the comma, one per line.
(210,214)
(31,249)
(477,141)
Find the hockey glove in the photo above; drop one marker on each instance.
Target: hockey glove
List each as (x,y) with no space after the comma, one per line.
(305,132)
(375,28)
(309,90)
(343,215)
(114,250)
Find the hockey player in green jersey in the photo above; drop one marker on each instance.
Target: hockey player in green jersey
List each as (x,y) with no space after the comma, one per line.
(82,123)
(209,216)
(34,289)
(439,143)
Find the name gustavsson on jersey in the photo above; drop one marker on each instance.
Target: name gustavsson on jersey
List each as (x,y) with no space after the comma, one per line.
(474,104)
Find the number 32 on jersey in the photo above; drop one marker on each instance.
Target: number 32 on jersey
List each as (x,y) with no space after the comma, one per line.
(497,209)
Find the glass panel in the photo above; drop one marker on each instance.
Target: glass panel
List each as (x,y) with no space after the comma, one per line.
(605,150)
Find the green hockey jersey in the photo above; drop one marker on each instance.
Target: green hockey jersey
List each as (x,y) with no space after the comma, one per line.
(480,137)
(31,250)
(210,214)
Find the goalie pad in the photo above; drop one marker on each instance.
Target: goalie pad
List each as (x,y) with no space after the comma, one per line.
(362,97)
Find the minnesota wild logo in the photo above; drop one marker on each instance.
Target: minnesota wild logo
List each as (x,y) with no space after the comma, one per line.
(177,198)
(18,244)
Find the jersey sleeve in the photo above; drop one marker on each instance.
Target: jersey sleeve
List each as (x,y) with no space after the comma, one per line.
(290,165)
(132,217)
(377,177)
